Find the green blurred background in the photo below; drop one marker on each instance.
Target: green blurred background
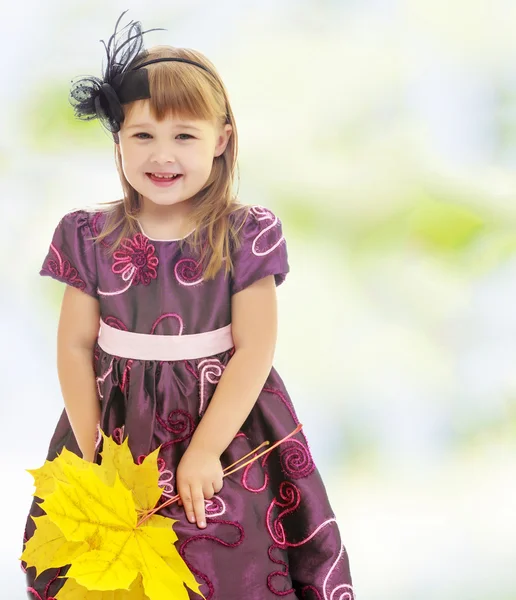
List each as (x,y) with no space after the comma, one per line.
(382,132)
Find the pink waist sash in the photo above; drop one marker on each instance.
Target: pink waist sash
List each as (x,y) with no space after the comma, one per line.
(143,346)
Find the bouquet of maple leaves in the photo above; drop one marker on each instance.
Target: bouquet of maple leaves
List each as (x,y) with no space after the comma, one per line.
(101,520)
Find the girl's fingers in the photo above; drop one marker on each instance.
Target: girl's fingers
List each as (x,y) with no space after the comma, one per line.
(198,507)
(186,501)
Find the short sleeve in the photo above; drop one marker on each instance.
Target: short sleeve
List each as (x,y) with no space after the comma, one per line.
(71,255)
(262,251)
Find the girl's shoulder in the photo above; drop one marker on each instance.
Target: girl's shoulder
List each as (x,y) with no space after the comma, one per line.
(88,220)
(261,249)
(71,255)
(101,224)
(254,219)
(258,228)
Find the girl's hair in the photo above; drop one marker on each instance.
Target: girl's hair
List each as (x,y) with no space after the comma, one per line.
(183,90)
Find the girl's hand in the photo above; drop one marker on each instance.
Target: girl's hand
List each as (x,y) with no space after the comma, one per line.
(199,476)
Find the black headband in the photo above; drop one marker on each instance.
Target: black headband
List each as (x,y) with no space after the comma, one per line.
(95,98)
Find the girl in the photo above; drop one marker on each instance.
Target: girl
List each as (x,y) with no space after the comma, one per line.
(181,279)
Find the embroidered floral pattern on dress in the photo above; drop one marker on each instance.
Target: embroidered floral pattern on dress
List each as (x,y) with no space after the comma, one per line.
(63,269)
(115,322)
(296,460)
(278,574)
(188,272)
(166,477)
(168,316)
(100,380)
(124,384)
(211,370)
(215,507)
(212,538)
(180,423)
(289,500)
(296,463)
(136,260)
(261,247)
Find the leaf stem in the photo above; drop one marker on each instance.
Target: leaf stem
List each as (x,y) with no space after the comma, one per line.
(227,471)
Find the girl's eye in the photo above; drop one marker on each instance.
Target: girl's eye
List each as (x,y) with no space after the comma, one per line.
(138,135)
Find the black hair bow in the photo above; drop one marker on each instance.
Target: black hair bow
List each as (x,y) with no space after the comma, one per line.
(92,97)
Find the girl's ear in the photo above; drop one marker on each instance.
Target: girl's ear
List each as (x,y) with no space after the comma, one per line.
(223,139)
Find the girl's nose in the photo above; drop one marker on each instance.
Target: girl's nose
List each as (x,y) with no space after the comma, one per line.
(162,154)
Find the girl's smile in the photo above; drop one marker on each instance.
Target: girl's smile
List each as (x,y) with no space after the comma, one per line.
(163,179)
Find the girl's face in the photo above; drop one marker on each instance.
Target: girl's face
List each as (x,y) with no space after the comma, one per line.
(185,148)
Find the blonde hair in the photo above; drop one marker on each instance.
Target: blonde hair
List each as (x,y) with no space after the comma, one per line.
(185,91)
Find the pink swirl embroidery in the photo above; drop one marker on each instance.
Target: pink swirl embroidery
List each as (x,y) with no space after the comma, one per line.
(296,463)
(296,460)
(285,574)
(165,479)
(138,257)
(191,370)
(180,423)
(245,476)
(218,540)
(168,316)
(95,229)
(188,272)
(344,590)
(126,375)
(211,370)
(262,214)
(102,378)
(288,406)
(290,500)
(64,269)
(135,261)
(115,322)
(215,507)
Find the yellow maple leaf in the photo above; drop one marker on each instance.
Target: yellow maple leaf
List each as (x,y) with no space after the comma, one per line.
(73,591)
(48,548)
(46,476)
(140,479)
(92,522)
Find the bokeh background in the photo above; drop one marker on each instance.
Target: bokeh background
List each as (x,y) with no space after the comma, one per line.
(383,133)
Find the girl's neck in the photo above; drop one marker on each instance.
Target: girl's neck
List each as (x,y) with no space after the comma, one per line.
(162,223)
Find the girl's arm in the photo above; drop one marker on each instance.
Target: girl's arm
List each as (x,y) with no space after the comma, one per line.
(254,327)
(77,332)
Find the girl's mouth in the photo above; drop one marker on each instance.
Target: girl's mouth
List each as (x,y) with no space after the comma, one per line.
(164,179)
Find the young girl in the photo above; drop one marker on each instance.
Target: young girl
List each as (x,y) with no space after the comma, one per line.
(181,279)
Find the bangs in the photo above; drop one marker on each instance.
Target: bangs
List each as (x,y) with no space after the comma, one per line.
(181,91)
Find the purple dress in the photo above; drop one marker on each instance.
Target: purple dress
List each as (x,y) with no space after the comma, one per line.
(271,531)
